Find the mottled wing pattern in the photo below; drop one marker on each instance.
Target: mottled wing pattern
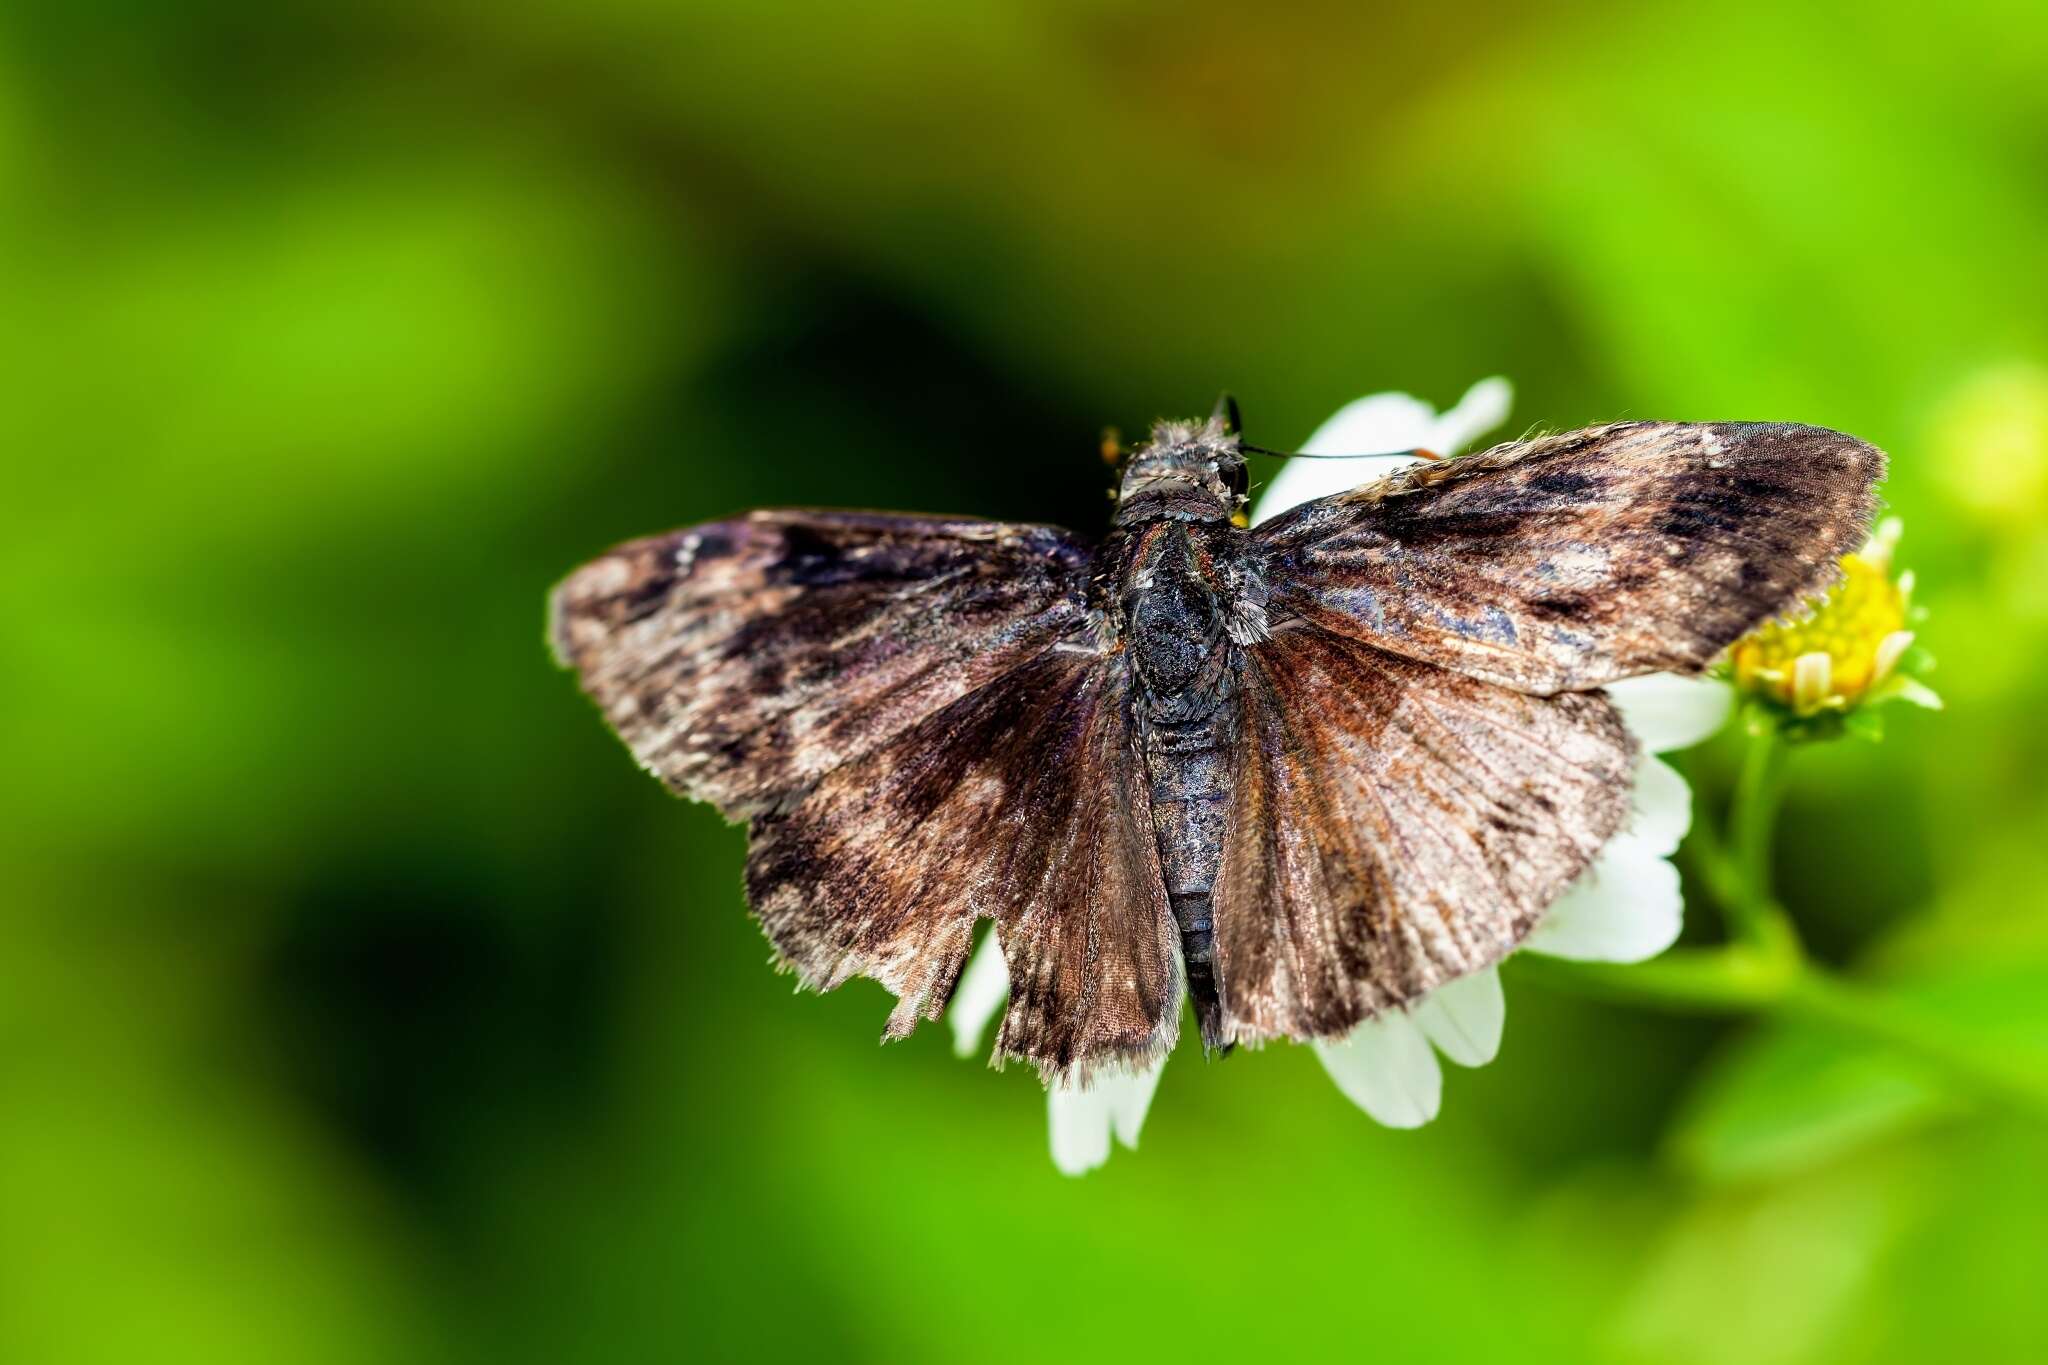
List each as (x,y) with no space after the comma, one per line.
(1022,801)
(917,718)
(742,660)
(1567,562)
(1395,825)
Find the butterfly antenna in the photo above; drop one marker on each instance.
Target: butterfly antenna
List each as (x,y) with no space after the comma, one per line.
(1416,454)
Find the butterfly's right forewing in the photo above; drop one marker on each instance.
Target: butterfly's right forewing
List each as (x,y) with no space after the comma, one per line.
(742,660)
(920,721)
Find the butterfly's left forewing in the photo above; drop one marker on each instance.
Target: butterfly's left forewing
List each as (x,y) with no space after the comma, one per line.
(1570,561)
(1425,764)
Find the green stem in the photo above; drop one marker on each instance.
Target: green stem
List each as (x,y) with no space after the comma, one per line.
(1741,979)
(1764,970)
(1752,912)
(1709,860)
(1733,980)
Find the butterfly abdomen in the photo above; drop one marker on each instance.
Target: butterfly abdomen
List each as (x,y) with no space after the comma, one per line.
(1188,763)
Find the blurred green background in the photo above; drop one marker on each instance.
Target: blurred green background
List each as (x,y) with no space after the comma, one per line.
(360,1001)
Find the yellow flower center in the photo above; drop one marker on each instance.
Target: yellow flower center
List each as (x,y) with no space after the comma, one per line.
(1858,627)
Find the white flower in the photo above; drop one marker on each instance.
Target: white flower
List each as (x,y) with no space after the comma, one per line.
(1382,431)
(1625,908)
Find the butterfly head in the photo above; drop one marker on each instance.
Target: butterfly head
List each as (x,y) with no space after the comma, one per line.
(1187,471)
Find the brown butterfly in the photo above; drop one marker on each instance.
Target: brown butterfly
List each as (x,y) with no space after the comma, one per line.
(1304,773)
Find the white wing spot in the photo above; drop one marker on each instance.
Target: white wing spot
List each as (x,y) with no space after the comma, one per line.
(686,553)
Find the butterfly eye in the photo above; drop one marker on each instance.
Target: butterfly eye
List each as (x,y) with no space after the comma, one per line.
(1237,478)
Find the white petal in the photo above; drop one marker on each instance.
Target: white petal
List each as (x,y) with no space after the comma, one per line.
(1379,424)
(1380,430)
(1917,692)
(1889,651)
(1301,481)
(1484,407)
(1624,908)
(1080,1121)
(1387,1069)
(1464,1018)
(1662,806)
(1668,711)
(1813,675)
(1882,543)
(1129,1095)
(982,989)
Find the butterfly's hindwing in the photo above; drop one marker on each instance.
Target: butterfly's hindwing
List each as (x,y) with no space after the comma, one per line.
(1020,802)
(1395,825)
(1571,561)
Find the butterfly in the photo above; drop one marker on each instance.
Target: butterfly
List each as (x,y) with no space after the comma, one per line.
(1298,774)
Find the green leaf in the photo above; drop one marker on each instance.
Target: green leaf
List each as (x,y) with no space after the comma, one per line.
(1793,1097)
(1796,1095)
(1774,1273)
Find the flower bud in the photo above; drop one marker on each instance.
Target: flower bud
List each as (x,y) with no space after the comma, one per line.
(1844,650)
